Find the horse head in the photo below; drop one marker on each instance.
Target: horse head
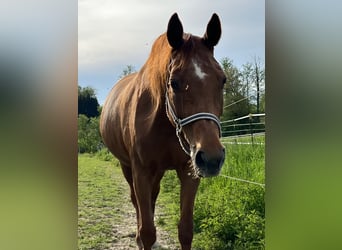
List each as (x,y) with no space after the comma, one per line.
(194,95)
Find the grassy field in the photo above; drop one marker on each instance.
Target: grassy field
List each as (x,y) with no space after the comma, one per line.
(106,217)
(229,214)
(100,189)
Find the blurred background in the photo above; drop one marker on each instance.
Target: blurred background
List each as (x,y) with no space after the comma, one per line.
(38,124)
(38,128)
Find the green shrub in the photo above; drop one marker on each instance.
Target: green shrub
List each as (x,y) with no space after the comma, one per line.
(229,218)
(89,138)
(104,154)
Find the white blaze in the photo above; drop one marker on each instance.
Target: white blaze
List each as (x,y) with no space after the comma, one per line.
(198,71)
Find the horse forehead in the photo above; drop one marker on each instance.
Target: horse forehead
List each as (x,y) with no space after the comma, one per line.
(199,69)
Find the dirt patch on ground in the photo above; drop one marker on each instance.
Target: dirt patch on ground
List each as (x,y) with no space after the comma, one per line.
(124,228)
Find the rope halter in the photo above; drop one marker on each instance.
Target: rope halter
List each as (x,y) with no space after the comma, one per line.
(180,123)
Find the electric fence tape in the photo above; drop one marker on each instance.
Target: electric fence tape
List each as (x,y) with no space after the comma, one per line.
(242,180)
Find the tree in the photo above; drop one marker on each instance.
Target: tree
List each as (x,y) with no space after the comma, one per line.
(253,80)
(89,138)
(127,71)
(247,81)
(87,102)
(235,102)
(259,75)
(262,102)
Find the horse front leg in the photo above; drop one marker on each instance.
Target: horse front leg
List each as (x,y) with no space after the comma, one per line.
(189,187)
(143,194)
(127,171)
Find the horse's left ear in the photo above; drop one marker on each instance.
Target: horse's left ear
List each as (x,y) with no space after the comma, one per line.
(213,32)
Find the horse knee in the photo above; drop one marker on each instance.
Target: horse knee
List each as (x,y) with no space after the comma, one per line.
(147,236)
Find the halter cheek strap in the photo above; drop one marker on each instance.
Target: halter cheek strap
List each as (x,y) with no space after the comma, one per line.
(180,123)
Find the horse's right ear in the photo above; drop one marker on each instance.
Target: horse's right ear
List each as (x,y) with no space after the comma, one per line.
(175,32)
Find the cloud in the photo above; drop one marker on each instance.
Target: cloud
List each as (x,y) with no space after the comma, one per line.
(113,34)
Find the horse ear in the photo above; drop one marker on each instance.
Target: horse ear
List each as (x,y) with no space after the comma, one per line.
(175,32)
(213,32)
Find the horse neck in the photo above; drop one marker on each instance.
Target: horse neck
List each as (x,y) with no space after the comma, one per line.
(154,84)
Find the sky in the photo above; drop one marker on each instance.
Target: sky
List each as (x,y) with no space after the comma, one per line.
(114,34)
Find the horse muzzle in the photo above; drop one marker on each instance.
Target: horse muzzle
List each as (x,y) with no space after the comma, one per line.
(208,164)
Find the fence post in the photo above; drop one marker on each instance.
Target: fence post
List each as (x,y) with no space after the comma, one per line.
(250,127)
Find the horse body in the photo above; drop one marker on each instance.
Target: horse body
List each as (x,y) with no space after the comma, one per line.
(130,131)
(136,125)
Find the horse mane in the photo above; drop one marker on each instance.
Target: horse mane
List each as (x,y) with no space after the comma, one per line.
(157,67)
(157,71)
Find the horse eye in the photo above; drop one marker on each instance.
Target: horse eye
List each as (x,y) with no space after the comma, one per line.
(174,84)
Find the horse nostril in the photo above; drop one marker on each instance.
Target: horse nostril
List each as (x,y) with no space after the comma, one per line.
(200,159)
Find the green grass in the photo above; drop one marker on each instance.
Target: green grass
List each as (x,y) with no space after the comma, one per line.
(98,195)
(228,214)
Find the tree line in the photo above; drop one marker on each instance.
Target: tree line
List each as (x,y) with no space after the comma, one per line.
(89,139)
(244,93)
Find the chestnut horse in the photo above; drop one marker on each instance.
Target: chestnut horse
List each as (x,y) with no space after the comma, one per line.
(166,117)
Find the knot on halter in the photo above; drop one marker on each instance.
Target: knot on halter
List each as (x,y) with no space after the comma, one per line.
(180,123)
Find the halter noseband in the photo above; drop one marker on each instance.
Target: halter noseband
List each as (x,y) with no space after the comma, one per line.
(180,123)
